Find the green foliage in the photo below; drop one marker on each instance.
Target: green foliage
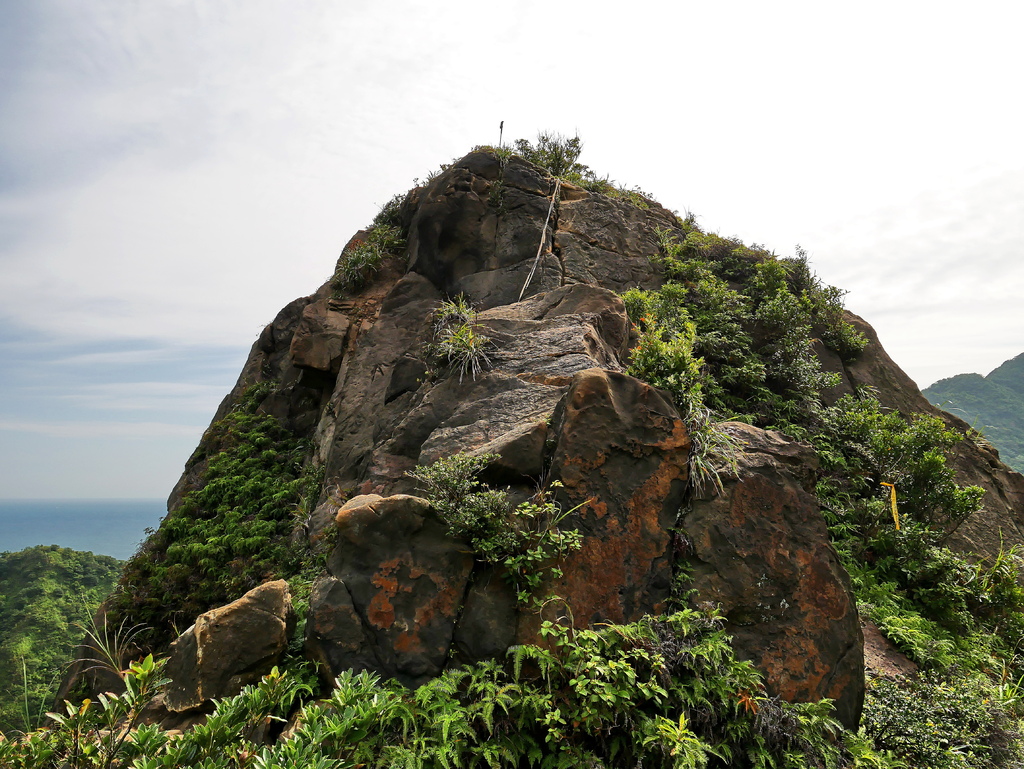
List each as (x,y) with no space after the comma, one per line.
(664,357)
(45,592)
(661,693)
(559,156)
(942,722)
(457,343)
(863,446)
(384,239)
(733,329)
(826,304)
(101,734)
(753,322)
(960,618)
(229,534)
(524,539)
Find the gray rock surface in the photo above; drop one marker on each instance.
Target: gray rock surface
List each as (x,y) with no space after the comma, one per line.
(229,647)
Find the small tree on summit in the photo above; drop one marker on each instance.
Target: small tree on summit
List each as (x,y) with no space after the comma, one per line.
(557,154)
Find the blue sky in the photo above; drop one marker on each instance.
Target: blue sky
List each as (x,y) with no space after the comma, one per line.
(173,172)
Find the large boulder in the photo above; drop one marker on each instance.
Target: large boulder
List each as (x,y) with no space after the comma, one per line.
(621,452)
(760,551)
(230,647)
(397,584)
(319,339)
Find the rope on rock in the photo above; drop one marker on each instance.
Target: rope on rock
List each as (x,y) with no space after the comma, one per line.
(543,236)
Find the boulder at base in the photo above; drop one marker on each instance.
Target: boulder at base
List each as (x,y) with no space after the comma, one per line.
(230,647)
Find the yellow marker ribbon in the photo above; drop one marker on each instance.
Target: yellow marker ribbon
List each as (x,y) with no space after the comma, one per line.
(892,498)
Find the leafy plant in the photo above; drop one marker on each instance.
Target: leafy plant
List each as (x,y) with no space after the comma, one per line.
(664,357)
(940,722)
(559,156)
(104,733)
(524,539)
(383,240)
(662,692)
(753,344)
(456,340)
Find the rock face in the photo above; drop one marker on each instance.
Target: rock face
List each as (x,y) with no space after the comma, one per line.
(760,551)
(229,647)
(622,454)
(393,592)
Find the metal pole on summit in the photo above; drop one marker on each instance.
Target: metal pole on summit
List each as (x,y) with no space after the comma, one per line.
(501,132)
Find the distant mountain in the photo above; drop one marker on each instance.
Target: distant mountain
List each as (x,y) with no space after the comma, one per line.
(993,404)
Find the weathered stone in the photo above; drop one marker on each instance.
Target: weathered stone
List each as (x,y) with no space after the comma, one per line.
(761,552)
(881,657)
(602,309)
(609,243)
(487,626)
(477,232)
(359,417)
(230,647)
(407,578)
(502,285)
(519,453)
(319,339)
(496,417)
(621,451)
(406,376)
(384,403)
(536,347)
(336,638)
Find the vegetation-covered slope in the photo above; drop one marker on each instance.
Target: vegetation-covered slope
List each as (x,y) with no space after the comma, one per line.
(993,405)
(45,592)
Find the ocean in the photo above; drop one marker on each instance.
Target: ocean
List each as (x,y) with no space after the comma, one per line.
(105,526)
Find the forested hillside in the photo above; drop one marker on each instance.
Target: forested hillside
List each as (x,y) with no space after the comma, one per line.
(993,405)
(45,592)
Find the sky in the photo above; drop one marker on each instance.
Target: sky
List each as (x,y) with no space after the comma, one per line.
(173,172)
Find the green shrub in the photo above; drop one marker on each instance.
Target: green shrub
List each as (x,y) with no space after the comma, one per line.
(559,156)
(863,445)
(664,357)
(556,154)
(826,303)
(661,693)
(524,539)
(360,262)
(228,535)
(457,343)
(940,722)
(753,334)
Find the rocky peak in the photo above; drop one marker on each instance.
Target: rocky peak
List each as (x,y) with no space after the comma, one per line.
(539,385)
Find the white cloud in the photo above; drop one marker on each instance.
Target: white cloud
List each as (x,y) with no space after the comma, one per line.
(104,429)
(182,397)
(181,171)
